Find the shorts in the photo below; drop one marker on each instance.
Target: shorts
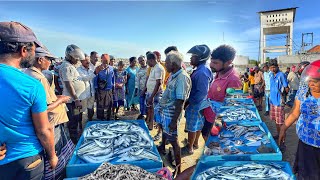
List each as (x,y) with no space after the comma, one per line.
(87,103)
(277,114)
(170,137)
(257,92)
(194,120)
(307,162)
(118,103)
(206,128)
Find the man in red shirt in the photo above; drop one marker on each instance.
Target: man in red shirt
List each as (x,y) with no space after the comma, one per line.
(226,77)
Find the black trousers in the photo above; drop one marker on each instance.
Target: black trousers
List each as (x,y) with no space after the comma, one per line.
(18,169)
(104,101)
(73,122)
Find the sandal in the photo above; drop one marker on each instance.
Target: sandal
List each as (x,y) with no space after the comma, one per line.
(186,151)
(157,137)
(195,147)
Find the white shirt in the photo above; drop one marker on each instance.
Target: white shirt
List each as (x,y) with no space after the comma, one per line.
(93,67)
(68,72)
(87,76)
(157,72)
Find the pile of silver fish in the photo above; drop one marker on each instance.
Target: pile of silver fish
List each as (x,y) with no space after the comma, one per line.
(245,171)
(238,114)
(119,141)
(124,171)
(236,136)
(235,102)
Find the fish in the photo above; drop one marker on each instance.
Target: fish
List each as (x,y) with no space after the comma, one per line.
(238,114)
(245,171)
(120,141)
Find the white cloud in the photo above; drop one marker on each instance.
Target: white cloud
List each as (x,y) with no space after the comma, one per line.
(58,41)
(221,21)
(252,33)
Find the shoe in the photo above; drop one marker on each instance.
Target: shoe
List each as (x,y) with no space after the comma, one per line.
(195,147)
(266,114)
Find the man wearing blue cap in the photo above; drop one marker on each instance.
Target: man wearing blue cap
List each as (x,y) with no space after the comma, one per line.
(24,128)
(56,110)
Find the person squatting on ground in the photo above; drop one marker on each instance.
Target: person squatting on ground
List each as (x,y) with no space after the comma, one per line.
(306,111)
(25,129)
(140,85)
(120,88)
(168,111)
(57,114)
(201,78)
(226,77)
(73,87)
(154,88)
(279,85)
(87,76)
(104,85)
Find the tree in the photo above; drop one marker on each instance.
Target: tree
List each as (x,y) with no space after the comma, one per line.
(267,59)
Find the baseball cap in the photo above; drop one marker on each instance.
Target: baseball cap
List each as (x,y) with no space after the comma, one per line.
(17,32)
(44,52)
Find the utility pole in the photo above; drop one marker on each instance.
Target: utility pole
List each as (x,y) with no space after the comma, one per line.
(307,43)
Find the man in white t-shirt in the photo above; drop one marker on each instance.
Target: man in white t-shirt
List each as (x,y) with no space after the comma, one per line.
(73,87)
(154,87)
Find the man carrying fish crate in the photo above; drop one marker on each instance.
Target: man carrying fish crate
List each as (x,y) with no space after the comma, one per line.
(168,112)
(25,129)
(226,77)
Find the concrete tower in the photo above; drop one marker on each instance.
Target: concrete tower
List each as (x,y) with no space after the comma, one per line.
(276,22)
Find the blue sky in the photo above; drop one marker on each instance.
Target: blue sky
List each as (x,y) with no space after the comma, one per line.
(126,29)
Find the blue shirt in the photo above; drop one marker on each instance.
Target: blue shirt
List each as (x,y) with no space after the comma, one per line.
(201,79)
(266,77)
(277,85)
(178,88)
(308,124)
(21,95)
(106,75)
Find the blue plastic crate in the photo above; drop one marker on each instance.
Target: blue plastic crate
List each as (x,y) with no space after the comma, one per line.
(149,170)
(249,102)
(201,166)
(252,108)
(255,156)
(77,167)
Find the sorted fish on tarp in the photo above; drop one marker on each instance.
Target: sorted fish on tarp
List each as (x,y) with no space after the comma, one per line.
(244,171)
(237,102)
(238,139)
(238,114)
(119,141)
(108,171)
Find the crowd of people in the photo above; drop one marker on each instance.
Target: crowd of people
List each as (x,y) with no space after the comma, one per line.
(36,106)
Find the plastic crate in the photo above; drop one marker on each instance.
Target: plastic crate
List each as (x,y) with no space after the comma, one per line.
(149,170)
(252,108)
(204,166)
(249,102)
(77,167)
(254,156)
